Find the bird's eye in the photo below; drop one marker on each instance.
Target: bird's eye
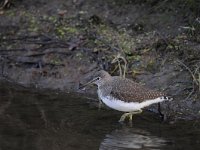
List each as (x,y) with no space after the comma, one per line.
(98,78)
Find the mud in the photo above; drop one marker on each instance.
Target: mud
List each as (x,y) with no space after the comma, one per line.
(54,44)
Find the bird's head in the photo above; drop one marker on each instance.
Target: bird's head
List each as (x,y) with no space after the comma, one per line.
(98,78)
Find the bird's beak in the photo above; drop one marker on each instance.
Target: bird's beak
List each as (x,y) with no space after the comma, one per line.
(88,83)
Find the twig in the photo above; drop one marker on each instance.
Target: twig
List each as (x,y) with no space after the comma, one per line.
(5,4)
(195,81)
(198,74)
(114,70)
(193,76)
(116,59)
(162,37)
(190,93)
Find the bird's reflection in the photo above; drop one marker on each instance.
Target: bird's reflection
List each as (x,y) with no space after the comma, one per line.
(131,138)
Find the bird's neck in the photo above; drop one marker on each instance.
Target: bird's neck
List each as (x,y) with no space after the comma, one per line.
(105,82)
(103,90)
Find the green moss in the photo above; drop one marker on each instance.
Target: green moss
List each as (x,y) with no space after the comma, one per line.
(10,13)
(52,19)
(134,58)
(63,30)
(71,29)
(119,39)
(56,61)
(33,24)
(151,65)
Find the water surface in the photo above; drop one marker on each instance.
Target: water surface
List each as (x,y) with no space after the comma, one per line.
(32,120)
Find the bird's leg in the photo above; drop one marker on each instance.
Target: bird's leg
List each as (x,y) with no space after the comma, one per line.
(133,113)
(123,117)
(130,115)
(130,120)
(100,104)
(159,111)
(163,116)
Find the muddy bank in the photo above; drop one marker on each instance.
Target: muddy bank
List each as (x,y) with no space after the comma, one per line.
(53,44)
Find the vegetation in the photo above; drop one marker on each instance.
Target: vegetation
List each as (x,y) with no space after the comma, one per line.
(159,40)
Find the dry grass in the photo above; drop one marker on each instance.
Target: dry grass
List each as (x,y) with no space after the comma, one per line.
(195,77)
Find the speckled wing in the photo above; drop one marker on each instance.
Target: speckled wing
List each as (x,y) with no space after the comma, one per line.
(129,91)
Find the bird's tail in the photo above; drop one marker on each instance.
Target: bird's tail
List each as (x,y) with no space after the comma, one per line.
(167,98)
(157,100)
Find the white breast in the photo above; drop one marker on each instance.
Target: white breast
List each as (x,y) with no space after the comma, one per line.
(126,106)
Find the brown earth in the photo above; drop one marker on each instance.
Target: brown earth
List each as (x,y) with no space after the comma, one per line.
(54,44)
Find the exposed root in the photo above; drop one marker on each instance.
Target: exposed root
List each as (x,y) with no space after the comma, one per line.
(117,59)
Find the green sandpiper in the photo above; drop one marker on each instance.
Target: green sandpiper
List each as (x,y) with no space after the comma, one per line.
(125,95)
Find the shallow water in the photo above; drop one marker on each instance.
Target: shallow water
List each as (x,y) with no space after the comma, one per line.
(55,121)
